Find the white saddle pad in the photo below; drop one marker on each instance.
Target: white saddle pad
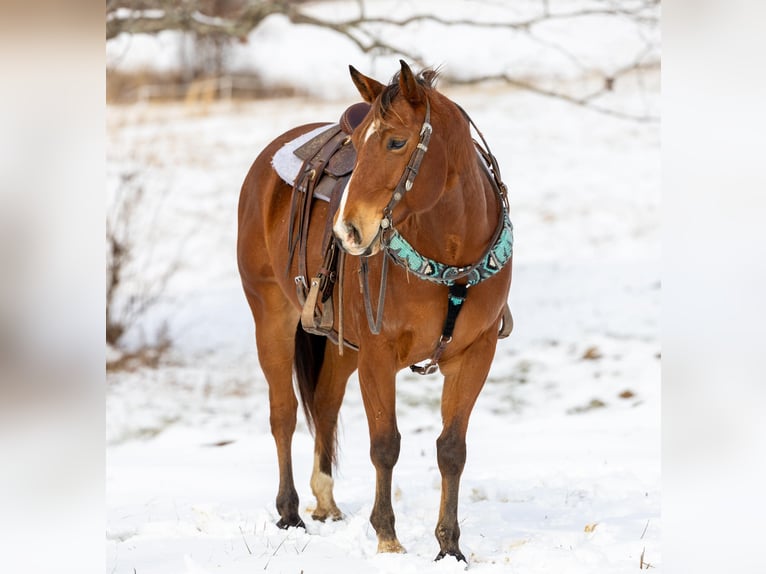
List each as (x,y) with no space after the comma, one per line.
(285,162)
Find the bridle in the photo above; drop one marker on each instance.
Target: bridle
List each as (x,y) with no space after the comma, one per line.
(410,171)
(404,184)
(397,249)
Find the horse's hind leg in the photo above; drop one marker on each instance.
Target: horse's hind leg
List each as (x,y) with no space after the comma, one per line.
(328,397)
(275,320)
(464,378)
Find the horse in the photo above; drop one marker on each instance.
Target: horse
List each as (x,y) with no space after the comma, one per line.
(424,196)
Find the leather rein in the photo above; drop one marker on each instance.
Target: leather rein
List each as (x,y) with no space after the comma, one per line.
(396,248)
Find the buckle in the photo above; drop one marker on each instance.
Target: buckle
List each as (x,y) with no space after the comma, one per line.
(428,369)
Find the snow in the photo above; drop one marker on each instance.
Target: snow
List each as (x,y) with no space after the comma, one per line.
(563,470)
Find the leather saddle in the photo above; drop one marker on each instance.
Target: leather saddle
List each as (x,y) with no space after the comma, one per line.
(331,152)
(328,160)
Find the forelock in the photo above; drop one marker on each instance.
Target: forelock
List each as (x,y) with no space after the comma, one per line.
(426,78)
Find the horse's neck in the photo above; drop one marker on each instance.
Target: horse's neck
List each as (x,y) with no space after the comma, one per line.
(460,226)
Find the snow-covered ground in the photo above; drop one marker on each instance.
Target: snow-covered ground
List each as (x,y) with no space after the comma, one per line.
(563,471)
(557,442)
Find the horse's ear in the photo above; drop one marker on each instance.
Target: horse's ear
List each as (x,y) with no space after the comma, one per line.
(368,88)
(408,85)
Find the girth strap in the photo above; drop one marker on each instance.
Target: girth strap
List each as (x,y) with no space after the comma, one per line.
(455,300)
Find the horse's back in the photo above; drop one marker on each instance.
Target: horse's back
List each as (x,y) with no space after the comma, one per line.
(264,203)
(262,181)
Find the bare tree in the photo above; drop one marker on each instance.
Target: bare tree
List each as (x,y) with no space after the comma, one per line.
(130,294)
(235,19)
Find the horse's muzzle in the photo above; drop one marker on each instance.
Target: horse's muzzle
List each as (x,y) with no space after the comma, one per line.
(351,240)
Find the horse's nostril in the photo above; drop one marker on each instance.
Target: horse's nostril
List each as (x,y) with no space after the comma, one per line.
(353,233)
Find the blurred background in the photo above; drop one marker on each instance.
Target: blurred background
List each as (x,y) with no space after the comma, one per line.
(578,51)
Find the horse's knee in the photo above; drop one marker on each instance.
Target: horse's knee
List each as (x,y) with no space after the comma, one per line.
(384,448)
(451,452)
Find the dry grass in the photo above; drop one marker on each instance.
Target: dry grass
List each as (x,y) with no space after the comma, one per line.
(142,85)
(145,356)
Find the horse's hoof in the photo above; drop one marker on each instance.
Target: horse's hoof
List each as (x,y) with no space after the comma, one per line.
(333,515)
(295,521)
(390,546)
(457,554)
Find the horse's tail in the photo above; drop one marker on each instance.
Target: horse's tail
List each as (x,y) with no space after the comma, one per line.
(309,357)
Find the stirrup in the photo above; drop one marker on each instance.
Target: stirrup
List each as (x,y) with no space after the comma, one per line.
(507,325)
(310,321)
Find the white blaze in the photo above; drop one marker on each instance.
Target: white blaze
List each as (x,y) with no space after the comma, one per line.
(340,227)
(371,130)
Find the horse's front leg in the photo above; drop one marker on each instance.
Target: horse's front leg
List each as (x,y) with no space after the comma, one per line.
(464,378)
(377,379)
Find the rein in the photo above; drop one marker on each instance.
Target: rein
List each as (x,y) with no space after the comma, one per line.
(402,253)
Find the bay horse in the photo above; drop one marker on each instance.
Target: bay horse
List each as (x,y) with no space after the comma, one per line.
(422,197)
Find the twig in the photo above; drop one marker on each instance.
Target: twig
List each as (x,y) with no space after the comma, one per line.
(245,541)
(275,551)
(642,563)
(644,532)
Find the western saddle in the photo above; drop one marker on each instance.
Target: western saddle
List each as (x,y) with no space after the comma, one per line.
(328,160)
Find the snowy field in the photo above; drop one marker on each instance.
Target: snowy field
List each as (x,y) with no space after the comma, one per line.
(563,470)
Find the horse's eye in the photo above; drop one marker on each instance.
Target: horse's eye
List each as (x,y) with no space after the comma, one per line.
(394,143)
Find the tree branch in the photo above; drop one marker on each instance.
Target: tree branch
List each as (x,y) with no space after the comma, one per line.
(141,18)
(145,16)
(152,16)
(587,101)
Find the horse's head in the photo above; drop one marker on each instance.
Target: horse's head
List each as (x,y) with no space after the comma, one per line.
(386,143)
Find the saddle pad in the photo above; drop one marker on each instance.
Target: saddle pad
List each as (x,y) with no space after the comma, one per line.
(286,163)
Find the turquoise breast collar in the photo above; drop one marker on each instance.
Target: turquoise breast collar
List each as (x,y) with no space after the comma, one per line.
(494,259)
(405,255)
